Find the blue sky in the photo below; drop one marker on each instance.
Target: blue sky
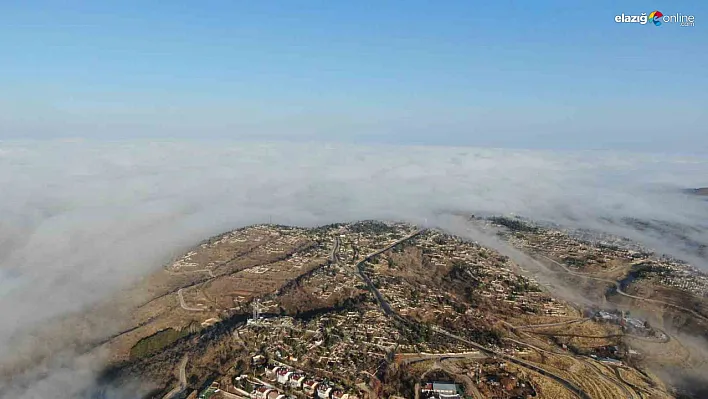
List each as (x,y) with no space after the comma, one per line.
(502,74)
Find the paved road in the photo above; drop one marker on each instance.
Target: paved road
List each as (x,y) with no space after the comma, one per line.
(566,383)
(182,379)
(390,312)
(383,303)
(184,305)
(211,273)
(174,273)
(562,323)
(407,358)
(333,256)
(640,391)
(627,393)
(623,335)
(470,387)
(618,288)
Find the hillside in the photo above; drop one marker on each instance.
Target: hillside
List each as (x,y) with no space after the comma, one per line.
(374,309)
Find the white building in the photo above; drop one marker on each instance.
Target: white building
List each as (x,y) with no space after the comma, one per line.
(283,376)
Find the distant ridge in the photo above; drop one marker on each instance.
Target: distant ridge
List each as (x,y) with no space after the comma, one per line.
(699,191)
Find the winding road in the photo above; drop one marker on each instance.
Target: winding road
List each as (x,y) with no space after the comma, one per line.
(360,268)
(618,288)
(184,304)
(566,383)
(484,350)
(182,385)
(562,323)
(627,393)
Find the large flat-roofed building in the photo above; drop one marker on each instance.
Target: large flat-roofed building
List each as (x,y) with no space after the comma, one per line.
(441,390)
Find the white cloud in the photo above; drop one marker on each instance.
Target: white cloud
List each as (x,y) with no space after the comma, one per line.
(80,219)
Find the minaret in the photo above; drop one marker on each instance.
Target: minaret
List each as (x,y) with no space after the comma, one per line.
(256,310)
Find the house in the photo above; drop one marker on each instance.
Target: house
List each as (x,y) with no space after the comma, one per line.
(283,375)
(274,394)
(310,387)
(271,373)
(324,391)
(296,380)
(258,360)
(337,394)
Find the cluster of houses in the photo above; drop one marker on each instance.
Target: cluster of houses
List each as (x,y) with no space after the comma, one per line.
(494,274)
(288,378)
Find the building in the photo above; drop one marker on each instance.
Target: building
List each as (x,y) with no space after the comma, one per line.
(310,387)
(442,390)
(635,323)
(606,317)
(271,373)
(258,360)
(296,380)
(283,375)
(324,391)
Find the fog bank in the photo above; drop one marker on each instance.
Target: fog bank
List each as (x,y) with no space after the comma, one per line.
(78,220)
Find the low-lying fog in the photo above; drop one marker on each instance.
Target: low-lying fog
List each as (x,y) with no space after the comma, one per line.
(80,219)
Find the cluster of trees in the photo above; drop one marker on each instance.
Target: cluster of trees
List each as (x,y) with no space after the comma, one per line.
(645,270)
(417,332)
(372,226)
(522,285)
(513,224)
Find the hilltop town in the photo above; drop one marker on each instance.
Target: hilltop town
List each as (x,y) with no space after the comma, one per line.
(378,309)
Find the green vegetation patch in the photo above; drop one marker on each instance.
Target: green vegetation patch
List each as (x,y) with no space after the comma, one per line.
(156,342)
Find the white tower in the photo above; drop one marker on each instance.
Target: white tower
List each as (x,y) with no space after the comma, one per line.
(256,310)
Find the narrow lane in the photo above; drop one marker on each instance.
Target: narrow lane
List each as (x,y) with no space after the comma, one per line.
(183,304)
(182,385)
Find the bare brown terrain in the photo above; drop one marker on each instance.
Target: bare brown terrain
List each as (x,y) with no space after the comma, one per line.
(376,309)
